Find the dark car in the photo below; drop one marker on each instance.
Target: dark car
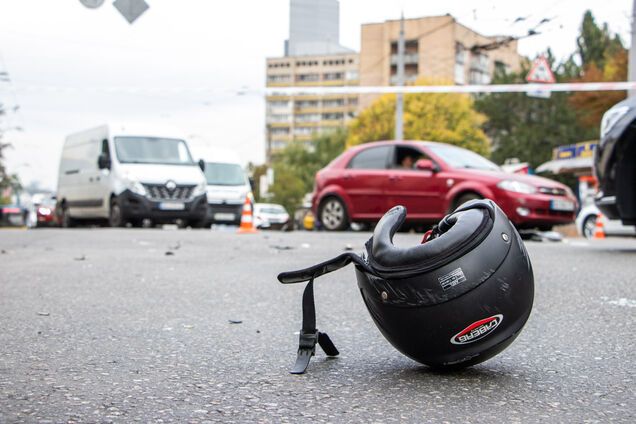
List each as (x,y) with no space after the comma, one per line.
(615,163)
(431,179)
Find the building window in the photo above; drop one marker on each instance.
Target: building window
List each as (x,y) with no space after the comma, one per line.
(352,75)
(279,117)
(278,144)
(278,78)
(460,64)
(303,131)
(501,68)
(333,103)
(333,76)
(353,101)
(308,117)
(279,131)
(479,65)
(308,77)
(332,116)
(278,103)
(302,104)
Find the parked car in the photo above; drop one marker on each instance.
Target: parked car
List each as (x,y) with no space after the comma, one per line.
(11,216)
(364,182)
(586,224)
(615,163)
(129,173)
(44,211)
(270,215)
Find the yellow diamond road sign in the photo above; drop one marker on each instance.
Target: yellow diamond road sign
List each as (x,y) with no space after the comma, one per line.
(131,9)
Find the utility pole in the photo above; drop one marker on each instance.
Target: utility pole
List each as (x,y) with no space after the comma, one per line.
(399,105)
(632,51)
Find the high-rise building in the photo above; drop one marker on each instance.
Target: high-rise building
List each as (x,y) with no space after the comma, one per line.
(313,57)
(314,28)
(436,47)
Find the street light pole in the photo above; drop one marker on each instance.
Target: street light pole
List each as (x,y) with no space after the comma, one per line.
(399,105)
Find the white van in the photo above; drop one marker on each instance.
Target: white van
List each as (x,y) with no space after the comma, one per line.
(128,173)
(227,185)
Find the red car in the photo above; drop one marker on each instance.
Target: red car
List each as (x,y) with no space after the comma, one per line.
(430,180)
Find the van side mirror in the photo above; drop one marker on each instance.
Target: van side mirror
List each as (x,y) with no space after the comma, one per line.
(103,161)
(426,165)
(202,165)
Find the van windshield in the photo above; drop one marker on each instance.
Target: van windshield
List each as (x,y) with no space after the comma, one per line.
(227,174)
(165,151)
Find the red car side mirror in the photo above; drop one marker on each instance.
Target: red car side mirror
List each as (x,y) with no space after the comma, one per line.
(425,165)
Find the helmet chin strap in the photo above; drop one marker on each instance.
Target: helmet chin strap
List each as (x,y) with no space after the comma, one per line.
(309,335)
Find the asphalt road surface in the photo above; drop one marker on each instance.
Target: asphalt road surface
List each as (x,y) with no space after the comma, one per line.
(103,325)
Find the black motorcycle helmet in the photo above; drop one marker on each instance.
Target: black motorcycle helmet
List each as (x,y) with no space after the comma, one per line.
(456,300)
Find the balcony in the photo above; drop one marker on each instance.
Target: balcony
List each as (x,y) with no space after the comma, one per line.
(409,59)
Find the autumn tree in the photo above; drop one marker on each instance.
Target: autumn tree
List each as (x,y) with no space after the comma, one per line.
(447,118)
(603,59)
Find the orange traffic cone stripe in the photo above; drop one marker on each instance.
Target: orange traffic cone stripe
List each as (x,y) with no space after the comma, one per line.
(247,223)
(599,231)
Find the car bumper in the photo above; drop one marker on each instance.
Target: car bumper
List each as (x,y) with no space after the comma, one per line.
(224,213)
(135,206)
(536,210)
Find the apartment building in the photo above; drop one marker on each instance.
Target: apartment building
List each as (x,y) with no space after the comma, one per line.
(301,117)
(436,47)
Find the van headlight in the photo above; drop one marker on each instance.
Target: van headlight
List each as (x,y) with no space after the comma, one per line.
(611,117)
(516,187)
(134,186)
(199,189)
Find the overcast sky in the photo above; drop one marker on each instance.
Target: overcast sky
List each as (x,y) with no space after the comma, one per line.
(73,68)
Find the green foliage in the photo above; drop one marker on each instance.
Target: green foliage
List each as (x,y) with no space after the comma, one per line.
(448,118)
(296,166)
(525,127)
(5,180)
(595,42)
(529,128)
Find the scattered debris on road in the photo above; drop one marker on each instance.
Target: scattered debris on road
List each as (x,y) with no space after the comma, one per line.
(235,321)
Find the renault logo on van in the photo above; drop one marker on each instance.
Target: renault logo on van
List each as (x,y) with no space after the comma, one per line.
(171,185)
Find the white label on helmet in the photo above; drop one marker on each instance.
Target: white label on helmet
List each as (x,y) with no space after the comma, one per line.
(452,279)
(477,330)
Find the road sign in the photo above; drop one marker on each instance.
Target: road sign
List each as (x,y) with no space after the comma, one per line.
(131,9)
(92,4)
(541,72)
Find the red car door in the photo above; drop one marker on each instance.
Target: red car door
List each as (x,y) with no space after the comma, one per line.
(420,191)
(364,181)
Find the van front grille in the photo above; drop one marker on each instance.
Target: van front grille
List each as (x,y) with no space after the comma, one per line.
(161,192)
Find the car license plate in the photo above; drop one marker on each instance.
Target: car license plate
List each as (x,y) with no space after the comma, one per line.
(172,206)
(561,205)
(224,216)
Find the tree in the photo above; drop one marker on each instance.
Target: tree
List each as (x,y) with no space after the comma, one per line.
(603,58)
(5,180)
(448,118)
(525,127)
(296,166)
(595,42)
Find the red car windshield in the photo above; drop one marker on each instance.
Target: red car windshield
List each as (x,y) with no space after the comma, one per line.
(456,157)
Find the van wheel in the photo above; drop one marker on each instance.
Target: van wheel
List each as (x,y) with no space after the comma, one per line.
(333,214)
(64,218)
(116,215)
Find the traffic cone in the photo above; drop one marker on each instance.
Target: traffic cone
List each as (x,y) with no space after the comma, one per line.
(599,231)
(247,221)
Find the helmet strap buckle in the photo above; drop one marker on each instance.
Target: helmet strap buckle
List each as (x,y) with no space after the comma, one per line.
(309,335)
